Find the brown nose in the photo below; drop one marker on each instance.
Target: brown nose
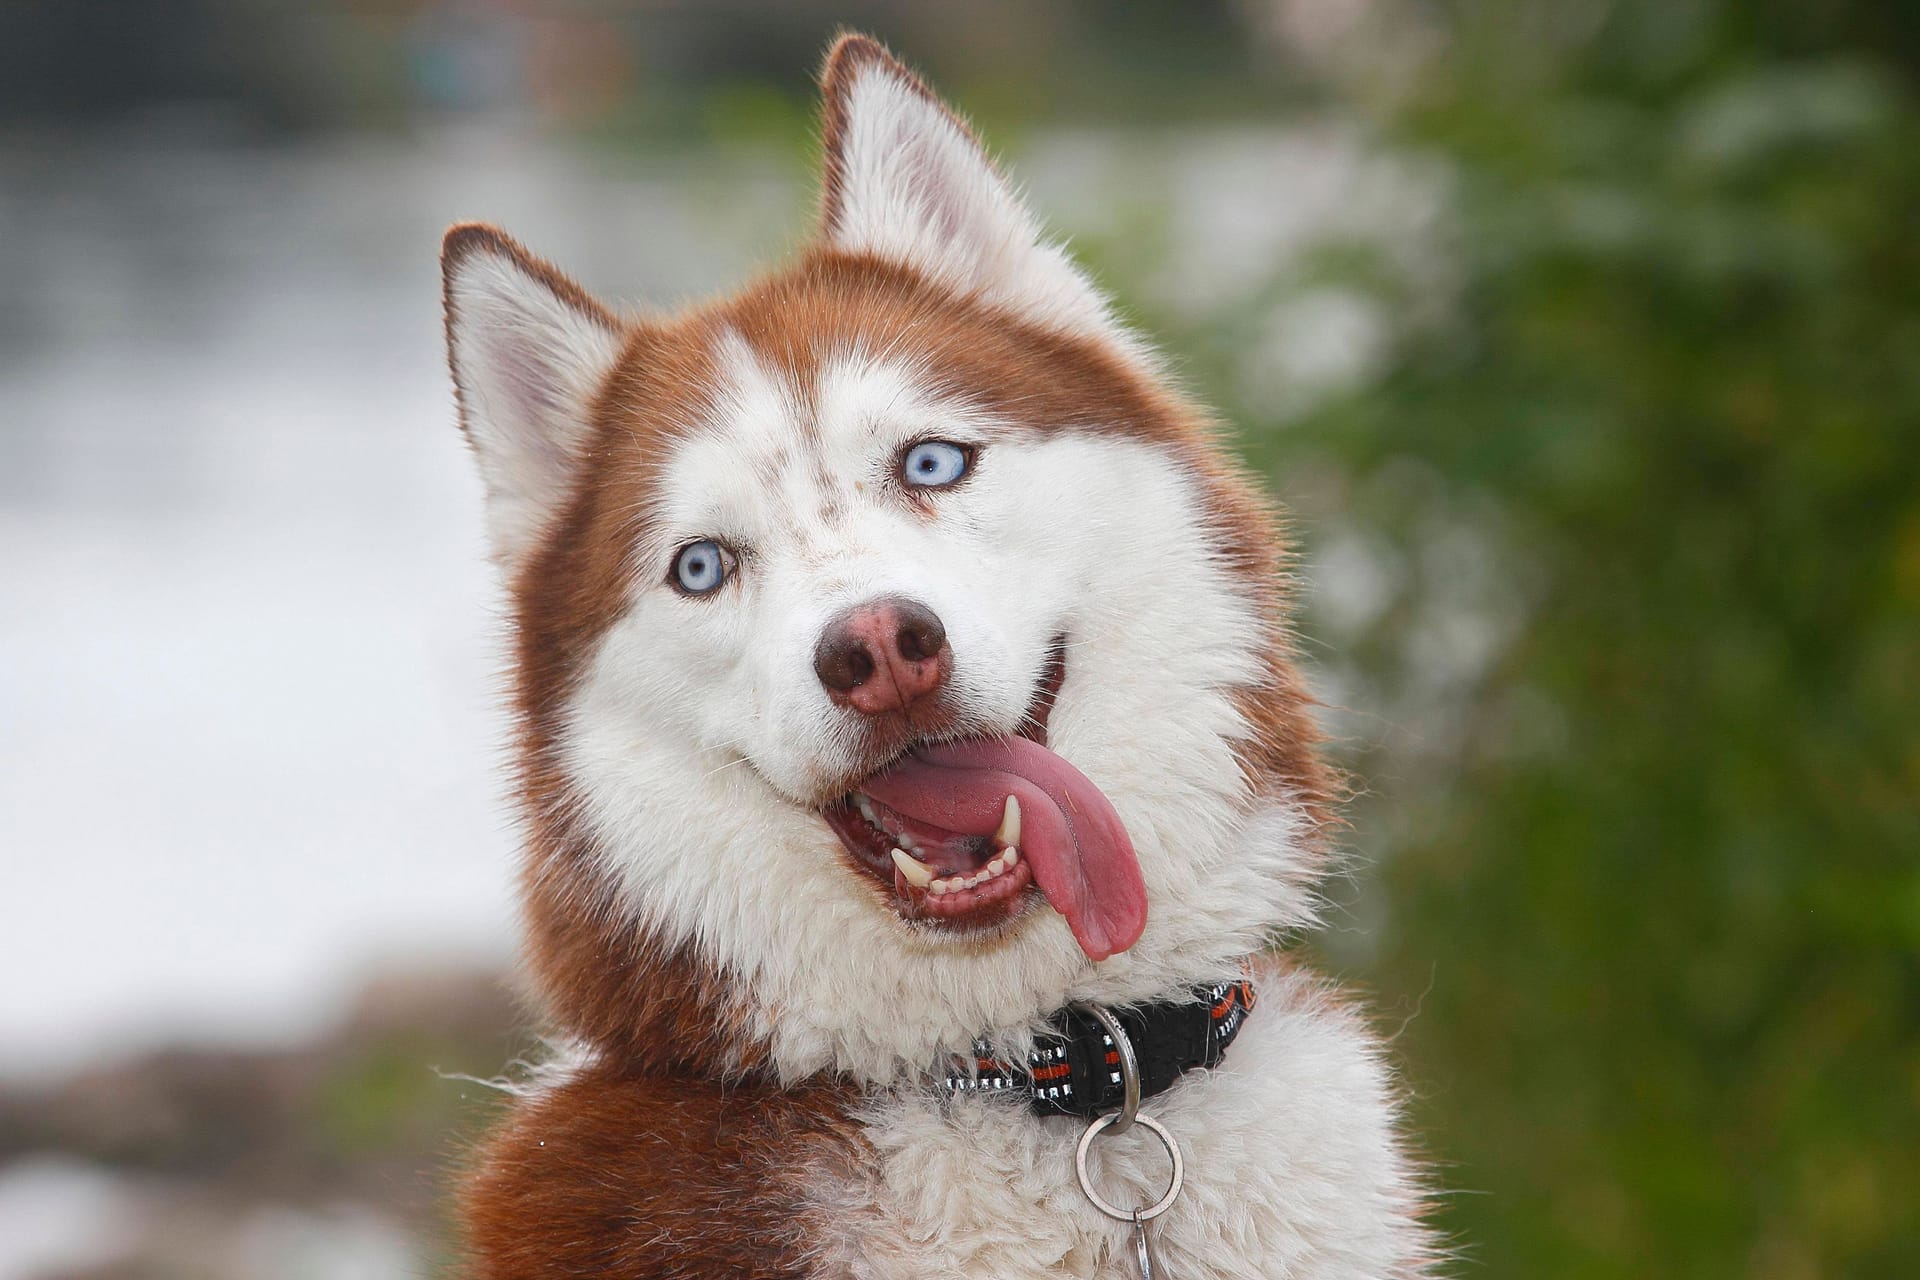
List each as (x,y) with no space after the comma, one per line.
(883,655)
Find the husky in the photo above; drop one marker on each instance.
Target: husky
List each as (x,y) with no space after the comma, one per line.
(916,777)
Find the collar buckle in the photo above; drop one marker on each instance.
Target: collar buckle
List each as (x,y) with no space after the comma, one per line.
(1083,1068)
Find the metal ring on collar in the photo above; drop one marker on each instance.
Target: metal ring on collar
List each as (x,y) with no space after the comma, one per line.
(1129,1067)
(1113,1211)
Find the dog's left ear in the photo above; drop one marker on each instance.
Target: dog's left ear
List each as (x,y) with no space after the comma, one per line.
(907,181)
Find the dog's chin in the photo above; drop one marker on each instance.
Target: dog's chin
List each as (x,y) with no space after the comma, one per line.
(946,883)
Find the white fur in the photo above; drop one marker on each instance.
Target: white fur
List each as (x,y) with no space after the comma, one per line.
(918,190)
(701,742)
(527,364)
(1292,1170)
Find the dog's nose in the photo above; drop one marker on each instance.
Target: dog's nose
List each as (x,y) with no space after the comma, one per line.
(882,655)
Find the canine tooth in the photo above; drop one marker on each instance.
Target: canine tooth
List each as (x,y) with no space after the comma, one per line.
(918,873)
(1009,832)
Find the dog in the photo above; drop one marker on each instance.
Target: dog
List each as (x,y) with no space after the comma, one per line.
(915,772)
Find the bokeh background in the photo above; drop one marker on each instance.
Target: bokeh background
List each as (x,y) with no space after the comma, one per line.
(1582,339)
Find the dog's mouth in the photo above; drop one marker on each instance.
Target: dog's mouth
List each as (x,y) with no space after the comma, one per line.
(961,833)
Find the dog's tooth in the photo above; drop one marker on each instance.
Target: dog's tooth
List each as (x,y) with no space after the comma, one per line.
(1011,855)
(995,867)
(918,873)
(1009,832)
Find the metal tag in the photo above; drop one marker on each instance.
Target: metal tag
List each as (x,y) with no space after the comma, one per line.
(1143,1248)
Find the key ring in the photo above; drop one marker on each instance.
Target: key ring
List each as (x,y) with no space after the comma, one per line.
(1119,1122)
(1099,1201)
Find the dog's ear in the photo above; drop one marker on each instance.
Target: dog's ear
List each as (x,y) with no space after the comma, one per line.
(529,350)
(906,180)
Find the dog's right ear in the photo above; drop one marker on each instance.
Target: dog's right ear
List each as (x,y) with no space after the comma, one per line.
(529,351)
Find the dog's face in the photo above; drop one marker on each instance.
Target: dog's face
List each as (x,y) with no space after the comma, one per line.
(893,651)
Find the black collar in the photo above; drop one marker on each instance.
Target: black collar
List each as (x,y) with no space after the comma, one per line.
(1075,1071)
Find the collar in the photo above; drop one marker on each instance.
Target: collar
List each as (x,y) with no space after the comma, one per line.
(1075,1069)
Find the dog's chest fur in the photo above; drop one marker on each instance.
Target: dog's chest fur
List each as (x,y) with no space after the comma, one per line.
(1292,1169)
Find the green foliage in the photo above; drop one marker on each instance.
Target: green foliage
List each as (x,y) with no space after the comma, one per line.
(377,1097)
(1649,851)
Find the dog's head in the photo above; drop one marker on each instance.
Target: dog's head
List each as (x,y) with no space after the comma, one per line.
(897,657)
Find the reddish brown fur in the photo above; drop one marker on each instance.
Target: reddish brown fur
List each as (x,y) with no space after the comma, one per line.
(622,1174)
(664,1160)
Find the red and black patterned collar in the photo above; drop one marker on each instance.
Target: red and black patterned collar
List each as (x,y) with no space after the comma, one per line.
(1075,1071)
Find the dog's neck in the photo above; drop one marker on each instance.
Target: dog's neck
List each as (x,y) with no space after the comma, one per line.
(1077,1067)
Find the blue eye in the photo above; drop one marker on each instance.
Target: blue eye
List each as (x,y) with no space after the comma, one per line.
(701,567)
(935,464)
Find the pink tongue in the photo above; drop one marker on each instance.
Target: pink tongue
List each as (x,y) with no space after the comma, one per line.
(1069,833)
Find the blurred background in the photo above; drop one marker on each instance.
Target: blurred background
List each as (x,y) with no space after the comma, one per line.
(1583,340)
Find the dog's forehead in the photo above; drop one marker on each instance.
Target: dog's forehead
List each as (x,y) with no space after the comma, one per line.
(781,445)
